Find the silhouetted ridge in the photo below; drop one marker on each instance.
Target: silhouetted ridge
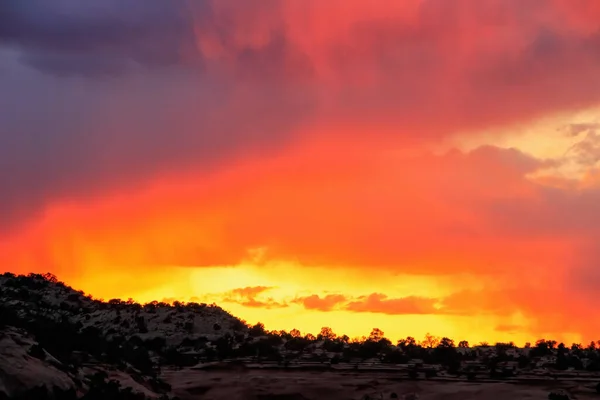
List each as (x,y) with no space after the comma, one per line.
(60,332)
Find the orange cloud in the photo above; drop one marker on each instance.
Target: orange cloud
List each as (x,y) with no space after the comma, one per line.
(380,303)
(373,303)
(470,213)
(250,291)
(325,303)
(378,209)
(248,297)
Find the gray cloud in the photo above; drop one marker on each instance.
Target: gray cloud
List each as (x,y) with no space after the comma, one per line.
(68,138)
(66,36)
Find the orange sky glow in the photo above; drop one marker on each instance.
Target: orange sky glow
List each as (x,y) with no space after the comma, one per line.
(417,166)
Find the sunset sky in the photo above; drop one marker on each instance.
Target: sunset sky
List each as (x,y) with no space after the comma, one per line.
(413,165)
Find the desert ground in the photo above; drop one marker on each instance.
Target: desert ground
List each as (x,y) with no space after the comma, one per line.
(287,385)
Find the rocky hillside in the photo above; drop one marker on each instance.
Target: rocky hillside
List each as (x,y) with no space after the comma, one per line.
(26,365)
(37,296)
(56,342)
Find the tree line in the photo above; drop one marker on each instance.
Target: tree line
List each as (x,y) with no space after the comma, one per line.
(64,336)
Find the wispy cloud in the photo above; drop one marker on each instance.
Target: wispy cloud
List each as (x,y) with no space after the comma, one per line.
(251,297)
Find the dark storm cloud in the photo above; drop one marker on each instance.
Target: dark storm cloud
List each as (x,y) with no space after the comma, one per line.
(62,137)
(107,37)
(72,138)
(65,134)
(194,84)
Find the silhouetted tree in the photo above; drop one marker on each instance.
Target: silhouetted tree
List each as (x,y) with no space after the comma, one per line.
(430,341)
(295,333)
(542,347)
(257,330)
(445,353)
(376,335)
(591,346)
(310,337)
(326,334)
(224,346)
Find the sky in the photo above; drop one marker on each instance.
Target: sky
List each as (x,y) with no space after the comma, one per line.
(417,166)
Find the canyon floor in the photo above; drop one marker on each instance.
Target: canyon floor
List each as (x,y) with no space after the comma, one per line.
(297,385)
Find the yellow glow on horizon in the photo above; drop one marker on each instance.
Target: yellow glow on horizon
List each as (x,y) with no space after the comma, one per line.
(289,281)
(102,246)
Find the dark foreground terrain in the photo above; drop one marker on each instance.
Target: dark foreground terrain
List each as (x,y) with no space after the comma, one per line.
(58,343)
(283,385)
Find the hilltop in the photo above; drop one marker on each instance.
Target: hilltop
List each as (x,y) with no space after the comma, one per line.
(52,336)
(43,296)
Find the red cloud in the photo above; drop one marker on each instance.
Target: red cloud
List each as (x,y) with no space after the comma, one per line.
(467,64)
